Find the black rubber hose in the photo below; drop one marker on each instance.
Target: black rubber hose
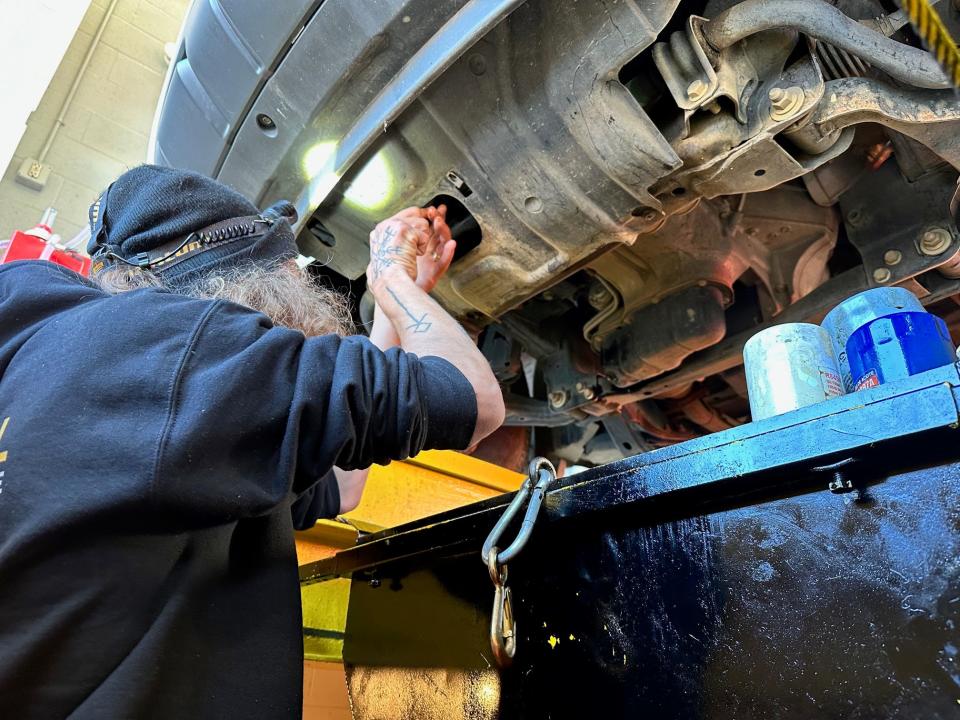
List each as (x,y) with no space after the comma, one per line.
(822,21)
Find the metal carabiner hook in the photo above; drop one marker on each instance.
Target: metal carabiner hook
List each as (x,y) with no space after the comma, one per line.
(503,631)
(539,476)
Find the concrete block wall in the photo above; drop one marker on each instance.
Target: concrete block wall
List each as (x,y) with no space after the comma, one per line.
(107,127)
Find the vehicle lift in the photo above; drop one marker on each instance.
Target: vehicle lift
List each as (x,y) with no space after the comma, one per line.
(803,566)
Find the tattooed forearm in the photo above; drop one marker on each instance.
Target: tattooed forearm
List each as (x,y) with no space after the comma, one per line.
(383,253)
(418,325)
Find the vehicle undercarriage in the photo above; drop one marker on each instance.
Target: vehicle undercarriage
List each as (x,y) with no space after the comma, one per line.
(636,186)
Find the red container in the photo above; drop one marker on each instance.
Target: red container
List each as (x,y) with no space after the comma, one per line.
(34,245)
(29,247)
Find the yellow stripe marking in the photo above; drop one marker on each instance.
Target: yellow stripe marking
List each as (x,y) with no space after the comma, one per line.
(3,456)
(935,35)
(3,427)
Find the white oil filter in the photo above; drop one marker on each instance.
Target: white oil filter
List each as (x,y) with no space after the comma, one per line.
(790,366)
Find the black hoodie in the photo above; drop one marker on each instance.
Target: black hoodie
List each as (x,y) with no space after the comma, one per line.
(151,447)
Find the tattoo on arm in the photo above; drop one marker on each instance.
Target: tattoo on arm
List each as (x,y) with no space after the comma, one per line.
(383,253)
(418,325)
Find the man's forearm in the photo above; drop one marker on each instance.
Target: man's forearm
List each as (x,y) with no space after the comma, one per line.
(425,328)
(382,333)
(350,483)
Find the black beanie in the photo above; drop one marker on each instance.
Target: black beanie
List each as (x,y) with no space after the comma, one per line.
(208,225)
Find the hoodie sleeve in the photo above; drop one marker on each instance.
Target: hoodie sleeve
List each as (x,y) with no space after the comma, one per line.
(319,501)
(259,412)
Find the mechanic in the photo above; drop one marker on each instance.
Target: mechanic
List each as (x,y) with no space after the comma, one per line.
(163,433)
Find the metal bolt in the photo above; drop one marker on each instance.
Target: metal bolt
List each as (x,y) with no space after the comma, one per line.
(934,241)
(696,90)
(892,257)
(881,275)
(598,297)
(784,102)
(840,483)
(557,398)
(585,391)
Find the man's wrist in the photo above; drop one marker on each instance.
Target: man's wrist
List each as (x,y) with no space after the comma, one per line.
(396,278)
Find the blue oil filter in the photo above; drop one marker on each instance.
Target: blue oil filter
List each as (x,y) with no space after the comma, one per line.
(898,346)
(855,312)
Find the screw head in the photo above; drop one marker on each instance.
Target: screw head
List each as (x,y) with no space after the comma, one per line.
(477,64)
(588,393)
(696,90)
(935,241)
(881,275)
(267,125)
(892,257)
(557,398)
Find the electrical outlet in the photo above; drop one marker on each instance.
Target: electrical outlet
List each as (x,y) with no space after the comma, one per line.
(33,174)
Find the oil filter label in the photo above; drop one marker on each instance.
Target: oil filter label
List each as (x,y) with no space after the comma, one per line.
(869,380)
(832,385)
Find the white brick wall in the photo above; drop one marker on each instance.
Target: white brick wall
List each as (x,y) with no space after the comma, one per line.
(107,127)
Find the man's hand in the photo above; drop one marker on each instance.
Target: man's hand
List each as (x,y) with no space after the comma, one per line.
(416,241)
(432,265)
(395,245)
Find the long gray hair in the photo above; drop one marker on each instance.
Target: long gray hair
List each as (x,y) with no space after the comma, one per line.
(285,293)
